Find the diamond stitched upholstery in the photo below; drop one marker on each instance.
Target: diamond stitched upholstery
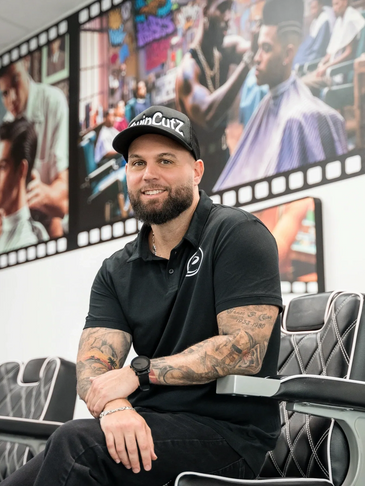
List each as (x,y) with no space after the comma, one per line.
(29,400)
(301,450)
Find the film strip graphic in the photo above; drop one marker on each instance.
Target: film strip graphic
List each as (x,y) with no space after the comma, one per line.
(34,43)
(95,9)
(299,288)
(263,190)
(285,183)
(34,252)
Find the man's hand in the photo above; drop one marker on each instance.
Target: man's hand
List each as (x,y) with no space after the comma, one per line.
(2,214)
(37,192)
(127,436)
(110,386)
(321,71)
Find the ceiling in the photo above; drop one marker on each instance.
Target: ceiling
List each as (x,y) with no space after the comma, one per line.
(20,19)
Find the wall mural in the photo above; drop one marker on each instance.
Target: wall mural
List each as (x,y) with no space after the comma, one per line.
(275,90)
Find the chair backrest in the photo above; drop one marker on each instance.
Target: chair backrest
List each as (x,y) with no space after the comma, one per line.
(41,389)
(319,336)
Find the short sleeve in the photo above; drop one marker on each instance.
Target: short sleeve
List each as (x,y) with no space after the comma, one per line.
(105,309)
(246,270)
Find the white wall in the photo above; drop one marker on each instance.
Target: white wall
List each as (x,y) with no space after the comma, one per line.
(43,304)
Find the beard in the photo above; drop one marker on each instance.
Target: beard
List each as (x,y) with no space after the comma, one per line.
(178,201)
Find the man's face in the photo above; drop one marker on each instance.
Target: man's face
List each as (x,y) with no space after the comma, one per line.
(339,7)
(10,179)
(269,57)
(161,177)
(219,16)
(14,87)
(121,109)
(315,9)
(141,89)
(110,118)
(55,45)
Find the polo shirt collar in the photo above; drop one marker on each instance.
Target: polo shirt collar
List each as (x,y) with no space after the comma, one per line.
(192,235)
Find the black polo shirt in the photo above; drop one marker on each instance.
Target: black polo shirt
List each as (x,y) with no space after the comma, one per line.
(226,259)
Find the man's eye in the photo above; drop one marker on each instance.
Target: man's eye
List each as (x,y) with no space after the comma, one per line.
(165,162)
(137,163)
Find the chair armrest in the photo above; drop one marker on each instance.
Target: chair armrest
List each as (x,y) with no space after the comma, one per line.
(342,68)
(321,390)
(190,478)
(311,66)
(27,427)
(102,170)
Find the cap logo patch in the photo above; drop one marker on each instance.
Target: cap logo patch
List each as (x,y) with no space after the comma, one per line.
(158,119)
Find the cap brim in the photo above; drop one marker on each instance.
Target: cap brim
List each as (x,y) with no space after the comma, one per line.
(124,139)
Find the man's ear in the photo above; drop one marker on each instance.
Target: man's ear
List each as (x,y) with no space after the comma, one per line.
(23,169)
(289,52)
(198,171)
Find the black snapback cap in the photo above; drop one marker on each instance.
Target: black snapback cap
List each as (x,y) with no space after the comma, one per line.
(161,121)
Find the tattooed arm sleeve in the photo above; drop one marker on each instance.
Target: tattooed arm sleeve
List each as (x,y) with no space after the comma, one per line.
(240,347)
(101,349)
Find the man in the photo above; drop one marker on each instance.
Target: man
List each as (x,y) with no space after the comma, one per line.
(46,107)
(203,90)
(197,293)
(56,61)
(342,46)
(315,44)
(139,102)
(104,144)
(18,146)
(291,127)
(120,120)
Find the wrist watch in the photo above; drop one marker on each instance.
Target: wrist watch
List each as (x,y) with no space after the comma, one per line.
(141,366)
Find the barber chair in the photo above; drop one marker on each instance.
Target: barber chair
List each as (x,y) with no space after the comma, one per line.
(340,95)
(35,399)
(321,391)
(104,196)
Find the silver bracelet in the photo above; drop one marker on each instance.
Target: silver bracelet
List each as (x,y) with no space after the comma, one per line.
(107,412)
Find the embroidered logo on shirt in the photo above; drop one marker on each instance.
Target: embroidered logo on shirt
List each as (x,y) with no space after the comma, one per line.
(194,263)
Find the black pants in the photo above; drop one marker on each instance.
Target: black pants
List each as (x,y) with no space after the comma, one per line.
(76,455)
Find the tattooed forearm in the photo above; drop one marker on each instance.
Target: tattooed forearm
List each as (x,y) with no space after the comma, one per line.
(100,350)
(239,349)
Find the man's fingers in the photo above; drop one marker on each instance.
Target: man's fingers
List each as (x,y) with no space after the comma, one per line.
(32,185)
(132,450)
(122,453)
(110,443)
(146,448)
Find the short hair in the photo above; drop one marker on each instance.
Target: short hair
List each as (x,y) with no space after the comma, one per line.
(23,139)
(287,16)
(290,37)
(4,70)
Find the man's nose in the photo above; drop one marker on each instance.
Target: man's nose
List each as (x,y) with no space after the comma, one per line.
(150,172)
(12,95)
(257,57)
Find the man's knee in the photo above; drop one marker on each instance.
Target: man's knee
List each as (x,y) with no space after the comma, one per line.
(78,431)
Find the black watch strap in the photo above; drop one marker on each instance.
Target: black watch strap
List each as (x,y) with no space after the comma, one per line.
(144,381)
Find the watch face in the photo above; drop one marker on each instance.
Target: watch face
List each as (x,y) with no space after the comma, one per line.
(140,363)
